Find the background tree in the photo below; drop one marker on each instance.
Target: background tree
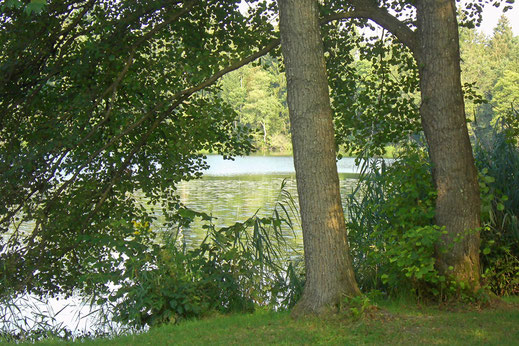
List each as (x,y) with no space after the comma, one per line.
(258,95)
(487,62)
(506,93)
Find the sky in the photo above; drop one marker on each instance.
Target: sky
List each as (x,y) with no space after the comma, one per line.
(491,15)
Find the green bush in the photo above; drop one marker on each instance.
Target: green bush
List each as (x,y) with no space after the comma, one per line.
(234,269)
(390,226)
(498,162)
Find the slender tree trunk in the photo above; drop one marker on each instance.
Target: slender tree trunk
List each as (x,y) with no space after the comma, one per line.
(443,119)
(264,126)
(329,271)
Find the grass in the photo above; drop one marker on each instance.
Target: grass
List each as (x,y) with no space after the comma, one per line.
(391,323)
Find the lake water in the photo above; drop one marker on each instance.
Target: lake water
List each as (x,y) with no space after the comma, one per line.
(265,165)
(234,191)
(230,191)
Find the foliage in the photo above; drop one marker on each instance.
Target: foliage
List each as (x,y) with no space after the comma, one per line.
(506,92)
(102,101)
(355,306)
(234,269)
(374,89)
(489,64)
(390,226)
(391,222)
(258,95)
(33,6)
(498,162)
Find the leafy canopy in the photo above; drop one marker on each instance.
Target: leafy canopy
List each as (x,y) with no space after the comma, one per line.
(100,101)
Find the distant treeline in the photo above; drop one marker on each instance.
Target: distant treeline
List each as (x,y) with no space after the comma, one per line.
(490,73)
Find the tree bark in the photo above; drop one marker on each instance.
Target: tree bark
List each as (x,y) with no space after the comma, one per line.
(329,271)
(443,119)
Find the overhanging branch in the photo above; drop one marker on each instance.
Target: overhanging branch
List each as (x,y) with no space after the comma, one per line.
(383,18)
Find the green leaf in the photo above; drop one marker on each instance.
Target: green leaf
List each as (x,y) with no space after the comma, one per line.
(35,6)
(489,179)
(13,4)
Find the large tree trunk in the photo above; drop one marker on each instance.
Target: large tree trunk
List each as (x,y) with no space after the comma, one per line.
(443,119)
(329,271)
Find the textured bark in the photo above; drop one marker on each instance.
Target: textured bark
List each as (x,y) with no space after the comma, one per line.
(443,118)
(329,271)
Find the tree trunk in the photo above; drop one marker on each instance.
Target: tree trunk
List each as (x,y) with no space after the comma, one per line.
(264,126)
(443,119)
(329,271)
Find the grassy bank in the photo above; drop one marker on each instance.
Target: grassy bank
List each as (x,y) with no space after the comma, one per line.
(390,323)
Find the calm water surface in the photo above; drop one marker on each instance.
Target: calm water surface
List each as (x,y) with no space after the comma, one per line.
(264,165)
(233,191)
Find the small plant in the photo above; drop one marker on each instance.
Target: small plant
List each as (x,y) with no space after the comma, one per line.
(355,307)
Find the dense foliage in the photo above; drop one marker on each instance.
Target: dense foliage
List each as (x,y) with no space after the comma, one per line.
(391,227)
(234,269)
(258,95)
(374,90)
(490,65)
(391,223)
(498,161)
(101,101)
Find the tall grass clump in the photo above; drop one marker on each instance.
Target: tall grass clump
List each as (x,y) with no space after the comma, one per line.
(17,325)
(497,158)
(28,318)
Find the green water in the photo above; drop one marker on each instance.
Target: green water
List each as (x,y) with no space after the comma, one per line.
(231,199)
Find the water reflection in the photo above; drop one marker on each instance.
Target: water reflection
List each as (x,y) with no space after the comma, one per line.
(236,198)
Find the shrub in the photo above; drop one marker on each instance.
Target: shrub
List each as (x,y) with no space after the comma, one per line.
(390,226)
(234,269)
(498,162)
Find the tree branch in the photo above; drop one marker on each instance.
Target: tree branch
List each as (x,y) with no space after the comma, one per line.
(175,101)
(382,17)
(211,80)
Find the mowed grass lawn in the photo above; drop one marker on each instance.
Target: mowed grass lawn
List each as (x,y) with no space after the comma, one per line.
(390,323)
